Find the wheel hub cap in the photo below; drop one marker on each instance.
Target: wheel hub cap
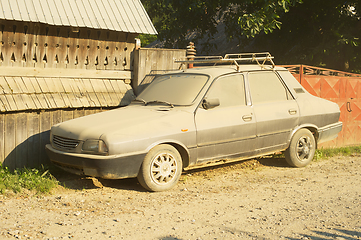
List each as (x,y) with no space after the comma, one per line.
(164,168)
(304,148)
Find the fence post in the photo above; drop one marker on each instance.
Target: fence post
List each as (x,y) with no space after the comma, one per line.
(301,73)
(191,52)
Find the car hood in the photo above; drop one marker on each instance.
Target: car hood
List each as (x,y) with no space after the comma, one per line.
(126,121)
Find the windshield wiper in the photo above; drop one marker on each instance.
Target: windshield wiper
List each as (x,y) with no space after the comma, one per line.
(159,101)
(141,100)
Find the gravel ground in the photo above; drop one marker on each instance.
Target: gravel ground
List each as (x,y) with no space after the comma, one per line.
(255,199)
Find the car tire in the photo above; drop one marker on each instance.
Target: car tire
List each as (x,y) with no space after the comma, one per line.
(161,168)
(302,149)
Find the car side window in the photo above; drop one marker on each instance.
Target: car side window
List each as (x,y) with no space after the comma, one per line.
(267,87)
(229,90)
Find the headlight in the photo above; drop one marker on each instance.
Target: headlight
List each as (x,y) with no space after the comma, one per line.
(95,146)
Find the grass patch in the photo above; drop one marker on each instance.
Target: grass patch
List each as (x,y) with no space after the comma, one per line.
(325,153)
(37,180)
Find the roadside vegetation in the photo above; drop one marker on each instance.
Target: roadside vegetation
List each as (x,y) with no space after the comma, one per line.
(324,153)
(41,181)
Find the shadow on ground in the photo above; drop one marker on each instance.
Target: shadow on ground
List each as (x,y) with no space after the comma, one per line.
(76,182)
(332,234)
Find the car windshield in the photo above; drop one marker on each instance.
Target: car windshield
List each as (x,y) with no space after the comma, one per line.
(174,89)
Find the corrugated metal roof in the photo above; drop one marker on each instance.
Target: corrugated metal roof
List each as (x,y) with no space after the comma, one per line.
(32,93)
(119,15)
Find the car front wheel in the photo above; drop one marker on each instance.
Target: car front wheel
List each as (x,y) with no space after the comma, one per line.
(161,168)
(302,149)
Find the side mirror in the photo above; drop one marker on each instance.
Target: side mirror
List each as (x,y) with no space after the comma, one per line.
(210,103)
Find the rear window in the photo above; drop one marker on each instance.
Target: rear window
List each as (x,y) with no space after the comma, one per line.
(267,87)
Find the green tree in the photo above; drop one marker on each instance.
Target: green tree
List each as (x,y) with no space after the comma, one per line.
(317,32)
(177,19)
(314,32)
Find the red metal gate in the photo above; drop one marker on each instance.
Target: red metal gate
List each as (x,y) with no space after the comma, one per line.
(340,87)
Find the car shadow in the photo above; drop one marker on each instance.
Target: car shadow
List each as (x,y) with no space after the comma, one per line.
(77,182)
(275,160)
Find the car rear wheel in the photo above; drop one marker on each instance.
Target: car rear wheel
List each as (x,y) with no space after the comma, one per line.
(302,149)
(161,168)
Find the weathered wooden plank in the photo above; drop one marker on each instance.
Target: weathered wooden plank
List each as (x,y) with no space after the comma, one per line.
(92,50)
(67,95)
(21,148)
(30,46)
(33,133)
(57,117)
(67,115)
(102,37)
(89,111)
(25,46)
(2,137)
(79,113)
(51,47)
(82,94)
(98,91)
(82,48)
(1,45)
(8,39)
(61,52)
(110,49)
(11,102)
(64,73)
(45,93)
(73,49)
(9,142)
(27,99)
(120,50)
(75,97)
(110,90)
(41,48)
(28,84)
(92,97)
(4,104)
(102,89)
(45,124)
(117,90)
(17,45)
(14,88)
(55,89)
(4,87)
(31,84)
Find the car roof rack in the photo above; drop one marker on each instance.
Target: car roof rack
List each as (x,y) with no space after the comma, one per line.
(260,58)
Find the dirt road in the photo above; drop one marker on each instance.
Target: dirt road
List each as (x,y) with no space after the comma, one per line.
(256,199)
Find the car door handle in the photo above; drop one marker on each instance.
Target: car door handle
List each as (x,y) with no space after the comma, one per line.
(247,118)
(292,111)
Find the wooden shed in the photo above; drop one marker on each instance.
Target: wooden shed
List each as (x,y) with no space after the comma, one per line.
(60,60)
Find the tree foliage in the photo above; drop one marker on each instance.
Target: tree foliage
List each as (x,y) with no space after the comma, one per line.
(176,19)
(315,32)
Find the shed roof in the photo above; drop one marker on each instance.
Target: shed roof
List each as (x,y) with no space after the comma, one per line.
(118,15)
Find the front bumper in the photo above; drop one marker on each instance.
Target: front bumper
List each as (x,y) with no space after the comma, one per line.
(107,167)
(329,132)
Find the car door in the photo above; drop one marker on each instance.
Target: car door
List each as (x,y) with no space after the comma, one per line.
(276,111)
(230,128)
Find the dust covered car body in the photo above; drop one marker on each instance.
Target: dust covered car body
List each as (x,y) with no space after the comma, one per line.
(195,116)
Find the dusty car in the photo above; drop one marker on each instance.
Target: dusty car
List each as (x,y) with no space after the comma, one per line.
(195,116)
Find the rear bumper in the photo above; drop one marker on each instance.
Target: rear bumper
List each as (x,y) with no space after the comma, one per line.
(108,167)
(329,132)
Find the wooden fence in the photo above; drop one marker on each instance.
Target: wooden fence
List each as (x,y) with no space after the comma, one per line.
(34,99)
